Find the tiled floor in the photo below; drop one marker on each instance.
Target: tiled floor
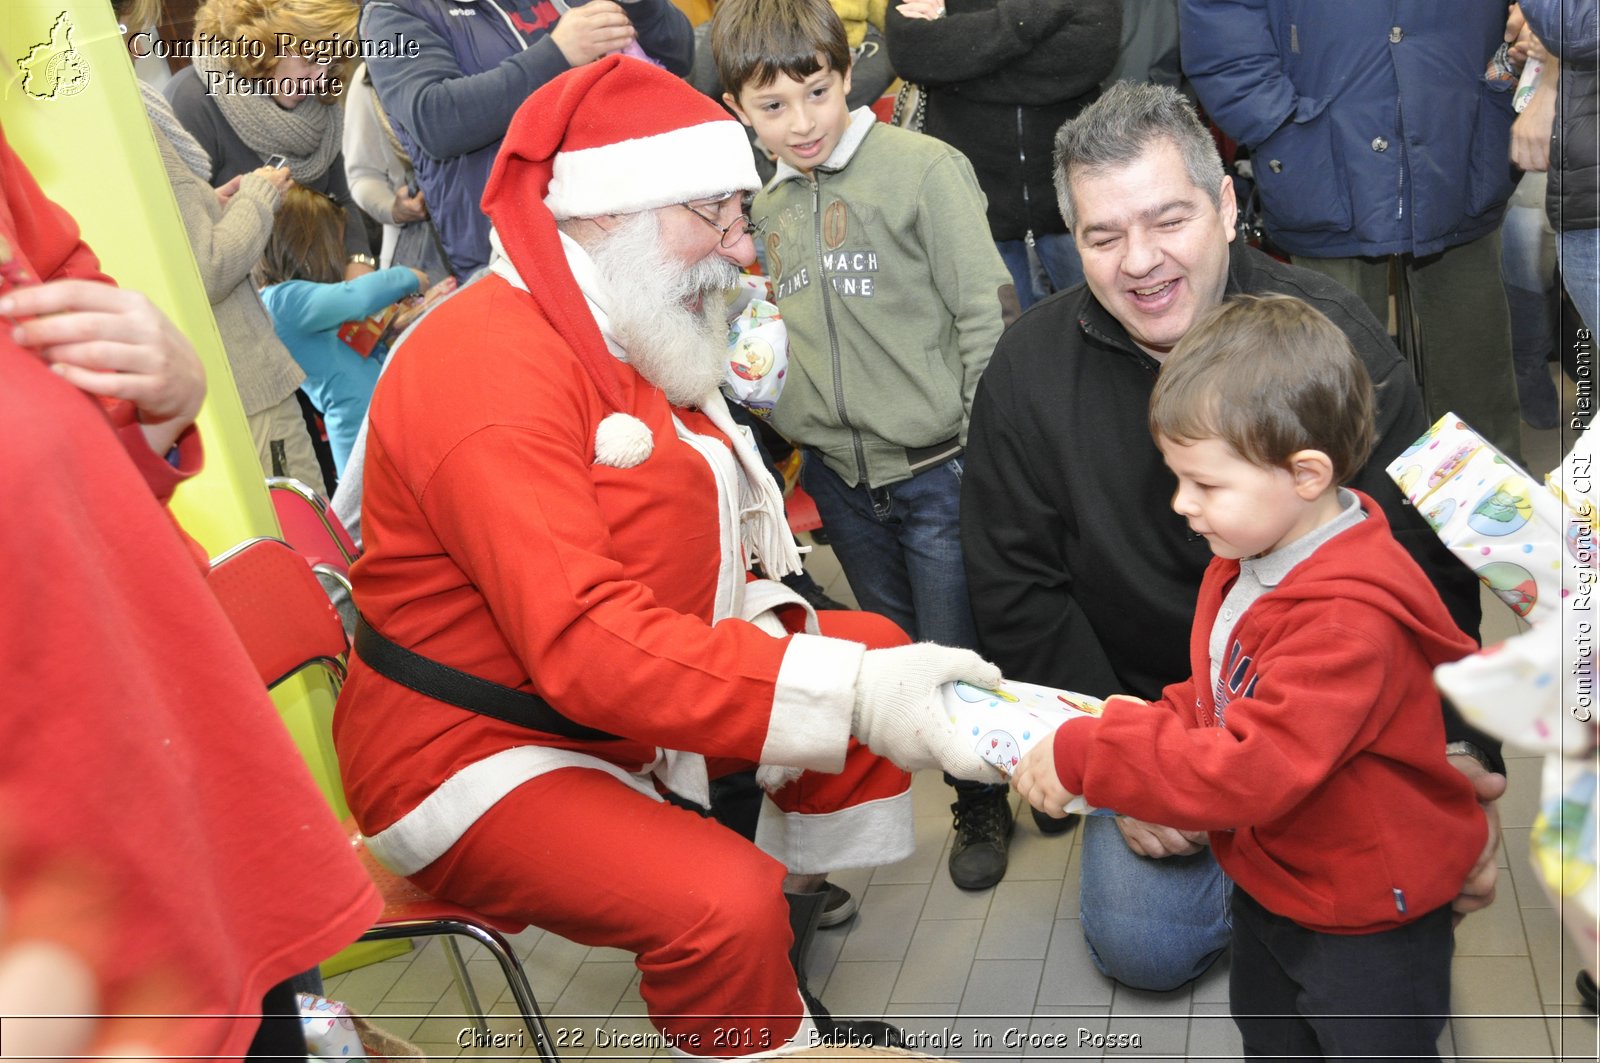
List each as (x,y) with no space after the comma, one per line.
(969,975)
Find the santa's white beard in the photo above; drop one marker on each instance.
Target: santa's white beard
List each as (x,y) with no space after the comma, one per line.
(680,350)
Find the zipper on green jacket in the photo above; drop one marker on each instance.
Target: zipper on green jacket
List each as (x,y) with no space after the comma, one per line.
(826,283)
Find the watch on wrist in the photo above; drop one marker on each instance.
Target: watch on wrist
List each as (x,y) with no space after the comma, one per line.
(1467,749)
(360,259)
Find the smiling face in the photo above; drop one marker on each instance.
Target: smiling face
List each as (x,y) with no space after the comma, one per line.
(1243,509)
(799,121)
(1154,247)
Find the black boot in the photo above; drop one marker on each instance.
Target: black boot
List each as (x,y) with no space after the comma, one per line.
(983,826)
(804,911)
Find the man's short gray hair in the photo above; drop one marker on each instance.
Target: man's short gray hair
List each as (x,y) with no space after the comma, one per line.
(1127,119)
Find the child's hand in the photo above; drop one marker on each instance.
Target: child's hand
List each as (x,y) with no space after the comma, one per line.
(1036,779)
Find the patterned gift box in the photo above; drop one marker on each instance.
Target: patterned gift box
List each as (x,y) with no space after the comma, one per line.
(1004,724)
(758,347)
(1502,523)
(1536,689)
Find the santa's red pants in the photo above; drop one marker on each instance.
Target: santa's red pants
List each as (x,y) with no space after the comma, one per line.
(580,854)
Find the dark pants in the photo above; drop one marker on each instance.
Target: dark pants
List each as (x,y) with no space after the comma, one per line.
(1296,993)
(280,1035)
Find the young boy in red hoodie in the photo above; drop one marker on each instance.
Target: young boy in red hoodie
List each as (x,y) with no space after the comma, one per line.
(1307,743)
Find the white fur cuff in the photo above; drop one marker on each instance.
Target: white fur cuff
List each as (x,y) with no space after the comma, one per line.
(774,777)
(622,441)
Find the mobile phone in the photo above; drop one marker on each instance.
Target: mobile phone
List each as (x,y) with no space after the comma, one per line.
(277,162)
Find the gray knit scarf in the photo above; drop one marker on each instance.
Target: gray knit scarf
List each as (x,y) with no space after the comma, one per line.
(161,116)
(309,136)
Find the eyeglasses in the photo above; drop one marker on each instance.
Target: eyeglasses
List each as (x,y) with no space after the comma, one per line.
(735,229)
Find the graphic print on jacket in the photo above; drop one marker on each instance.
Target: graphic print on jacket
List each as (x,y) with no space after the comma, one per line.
(1235,679)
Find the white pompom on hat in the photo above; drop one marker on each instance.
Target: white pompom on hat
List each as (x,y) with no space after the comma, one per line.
(615,136)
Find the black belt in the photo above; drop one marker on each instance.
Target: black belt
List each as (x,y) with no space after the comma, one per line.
(921,459)
(454,687)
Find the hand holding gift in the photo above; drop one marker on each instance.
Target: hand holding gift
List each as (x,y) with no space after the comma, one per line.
(1006,723)
(758,347)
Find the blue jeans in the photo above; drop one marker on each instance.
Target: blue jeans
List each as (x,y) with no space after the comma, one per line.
(1150,924)
(1580,272)
(1057,254)
(900,548)
(1527,263)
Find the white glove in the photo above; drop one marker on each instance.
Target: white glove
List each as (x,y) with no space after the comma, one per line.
(900,714)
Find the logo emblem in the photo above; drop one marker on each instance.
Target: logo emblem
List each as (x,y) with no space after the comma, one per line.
(834,225)
(56,68)
(774,260)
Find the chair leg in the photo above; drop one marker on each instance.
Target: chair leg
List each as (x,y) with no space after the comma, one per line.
(522,993)
(500,949)
(464,986)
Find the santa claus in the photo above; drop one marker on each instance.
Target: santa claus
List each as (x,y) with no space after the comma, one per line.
(559,623)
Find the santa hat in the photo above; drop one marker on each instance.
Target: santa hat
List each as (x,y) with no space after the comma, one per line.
(615,136)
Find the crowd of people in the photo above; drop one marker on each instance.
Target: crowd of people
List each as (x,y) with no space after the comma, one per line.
(1062,422)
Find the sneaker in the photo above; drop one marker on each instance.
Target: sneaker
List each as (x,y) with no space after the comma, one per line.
(1587,991)
(839,906)
(983,831)
(1049,824)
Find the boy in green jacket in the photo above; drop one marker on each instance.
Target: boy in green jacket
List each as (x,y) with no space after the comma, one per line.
(878,248)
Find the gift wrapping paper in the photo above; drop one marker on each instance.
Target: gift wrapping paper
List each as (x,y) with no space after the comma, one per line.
(1500,521)
(1004,724)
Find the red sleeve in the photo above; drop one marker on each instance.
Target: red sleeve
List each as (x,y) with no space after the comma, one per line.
(49,241)
(46,234)
(1074,738)
(1314,701)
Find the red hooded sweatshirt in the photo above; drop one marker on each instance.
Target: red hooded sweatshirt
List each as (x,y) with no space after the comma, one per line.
(1322,780)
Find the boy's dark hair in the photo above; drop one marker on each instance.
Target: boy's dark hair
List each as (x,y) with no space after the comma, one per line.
(1269,375)
(754,41)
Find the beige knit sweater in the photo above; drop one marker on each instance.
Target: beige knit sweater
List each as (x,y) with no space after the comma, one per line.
(227,243)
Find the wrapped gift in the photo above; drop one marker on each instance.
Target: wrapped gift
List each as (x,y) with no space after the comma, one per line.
(371,335)
(1562,847)
(758,347)
(1005,723)
(329,1028)
(1536,689)
(1526,689)
(1502,523)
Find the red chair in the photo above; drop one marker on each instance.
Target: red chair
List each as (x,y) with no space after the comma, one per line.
(309,524)
(316,533)
(287,624)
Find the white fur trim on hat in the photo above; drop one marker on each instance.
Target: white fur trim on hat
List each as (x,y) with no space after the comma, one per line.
(622,441)
(693,162)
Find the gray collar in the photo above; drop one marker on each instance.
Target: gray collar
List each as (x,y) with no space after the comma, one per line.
(861,122)
(1270,570)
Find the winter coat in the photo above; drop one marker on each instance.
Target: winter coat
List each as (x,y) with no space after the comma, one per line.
(1001,76)
(1372,128)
